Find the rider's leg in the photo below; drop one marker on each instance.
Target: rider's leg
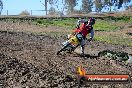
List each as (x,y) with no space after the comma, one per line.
(82,46)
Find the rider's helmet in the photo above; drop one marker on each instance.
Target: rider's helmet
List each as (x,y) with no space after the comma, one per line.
(91,21)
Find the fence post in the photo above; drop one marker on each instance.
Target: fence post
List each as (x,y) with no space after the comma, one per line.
(7,12)
(31,12)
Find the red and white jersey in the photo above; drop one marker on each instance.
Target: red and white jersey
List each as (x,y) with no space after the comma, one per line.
(84,30)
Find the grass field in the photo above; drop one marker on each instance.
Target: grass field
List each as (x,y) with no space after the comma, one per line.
(107,30)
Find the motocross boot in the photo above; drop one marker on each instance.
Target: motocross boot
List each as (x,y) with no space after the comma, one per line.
(82,51)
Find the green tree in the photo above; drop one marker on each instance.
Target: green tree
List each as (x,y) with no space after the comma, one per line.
(108,4)
(52,2)
(87,6)
(120,2)
(70,4)
(52,11)
(59,5)
(98,5)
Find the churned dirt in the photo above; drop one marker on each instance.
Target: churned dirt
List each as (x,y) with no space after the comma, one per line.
(30,61)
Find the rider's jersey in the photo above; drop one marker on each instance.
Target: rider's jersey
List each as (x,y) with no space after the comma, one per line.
(84,30)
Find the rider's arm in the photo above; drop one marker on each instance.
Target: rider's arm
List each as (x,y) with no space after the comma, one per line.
(73,33)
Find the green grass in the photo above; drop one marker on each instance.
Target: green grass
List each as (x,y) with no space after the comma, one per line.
(70,23)
(102,25)
(106,25)
(125,19)
(114,39)
(66,23)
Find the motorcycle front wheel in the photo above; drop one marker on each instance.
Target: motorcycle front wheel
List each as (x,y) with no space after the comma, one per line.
(63,49)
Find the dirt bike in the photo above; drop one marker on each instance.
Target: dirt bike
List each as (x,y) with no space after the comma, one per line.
(70,45)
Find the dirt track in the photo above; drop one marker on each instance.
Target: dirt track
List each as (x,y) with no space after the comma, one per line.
(28,60)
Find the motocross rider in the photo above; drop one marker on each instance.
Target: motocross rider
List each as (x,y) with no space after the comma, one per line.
(82,30)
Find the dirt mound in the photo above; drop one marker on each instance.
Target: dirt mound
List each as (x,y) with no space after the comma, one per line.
(16,73)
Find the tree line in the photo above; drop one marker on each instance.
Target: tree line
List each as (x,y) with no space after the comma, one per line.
(88,5)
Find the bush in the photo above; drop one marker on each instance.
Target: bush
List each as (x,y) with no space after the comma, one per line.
(24,13)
